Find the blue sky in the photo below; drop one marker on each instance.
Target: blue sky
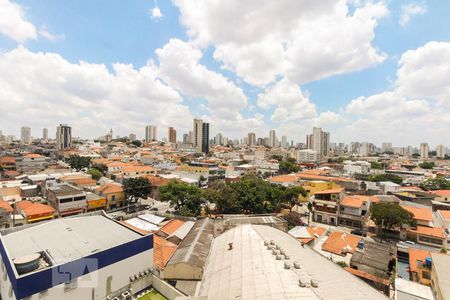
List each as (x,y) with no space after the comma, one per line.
(109,32)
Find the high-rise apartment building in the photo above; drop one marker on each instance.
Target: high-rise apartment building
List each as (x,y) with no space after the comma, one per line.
(63,136)
(386,147)
(218,139)
(364,149)
(45,134)
(272,139)
(132,137)
(251,139)
(284,143)
(319,141)
(441,151)
(150,133)
(172,135)
(424,149)
(201,136)
(25,135)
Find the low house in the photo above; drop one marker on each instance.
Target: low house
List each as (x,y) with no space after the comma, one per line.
(430,236)
(325,206)
(420,265)
(341,243)
(96,202)
(35,212)
(442,196)
(353,211)
(114,193)
(307,235)
(422,215)
(67,199)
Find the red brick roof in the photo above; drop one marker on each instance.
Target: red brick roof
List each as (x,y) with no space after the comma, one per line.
(172,226)
(340,243)
(162,251)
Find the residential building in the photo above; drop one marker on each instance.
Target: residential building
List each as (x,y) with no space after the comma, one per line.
(364,149)
(272,139)
(63,137)
(319,141)
(251,139)
(201,136)
(172,135)
(325,205)
(386,147)
(45,134)
(307,155)
(424,149)
(66,199)
(441,151)
(90,257)
(132,137)
(354,211)
(25,135)
(440,276)
(420,265)
(284,143)
(35,212)
(150,133)
(31,163)
(114,194)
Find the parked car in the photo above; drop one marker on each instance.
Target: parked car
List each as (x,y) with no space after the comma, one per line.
(358,232)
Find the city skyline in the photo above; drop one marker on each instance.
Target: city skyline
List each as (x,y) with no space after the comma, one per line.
(175,68)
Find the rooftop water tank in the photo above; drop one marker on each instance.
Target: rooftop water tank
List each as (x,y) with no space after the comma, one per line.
(27,263)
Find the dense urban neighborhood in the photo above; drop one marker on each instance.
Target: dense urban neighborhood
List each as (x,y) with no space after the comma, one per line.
(208,217)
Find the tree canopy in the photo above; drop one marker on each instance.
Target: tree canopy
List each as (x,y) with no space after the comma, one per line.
(288,166)
(96,174)
(385,177)
(101,167)
(438,183)
(427,165)
(136,188)
(185,198)
(137,143)
(78,162)
(377,165)
(389,216)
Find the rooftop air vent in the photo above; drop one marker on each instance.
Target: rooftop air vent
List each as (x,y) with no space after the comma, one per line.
(278,257)
(302,282)
(314,283)
(296,265)
(266,243)
(287,265)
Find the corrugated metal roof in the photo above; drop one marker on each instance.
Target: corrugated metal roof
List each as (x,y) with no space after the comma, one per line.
(141,224)
(250,271)
(195,247)
(152,218)
(183,231)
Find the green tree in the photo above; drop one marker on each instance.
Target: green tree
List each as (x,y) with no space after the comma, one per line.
(427,165)
(101,167)
(288,166)
(78,162)
(388,216)
(224,197)
(438,183)
(136,188)
(253,194)
(185,198)
(96,174)
(291,194)
(277,157)
(385,177)
(377,165)
(137,143)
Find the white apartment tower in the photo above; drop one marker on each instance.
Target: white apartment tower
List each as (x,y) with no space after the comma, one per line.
(63,136)
(45,134)
(424,149)
(25,135)
(150,133)
(319,141)
(441,151)
(251,139)
(272,139)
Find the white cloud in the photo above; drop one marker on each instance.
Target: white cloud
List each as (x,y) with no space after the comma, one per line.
(86,96)
(50,36)
(156,13)
(303,40)
(179,66)
(13,23)
(410,10)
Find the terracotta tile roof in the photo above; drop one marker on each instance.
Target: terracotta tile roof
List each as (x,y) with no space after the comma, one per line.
(313,231)
(368,276)
(356,201)
(284,178)
(444,213)
(423,214)
(110,188)
(415,255)
(6,206)
(7,160)
(162,251)
(442,193)
(30,209)
(33,155)
(430,231)
(172,226)
(157,181)
(138,169)
(330,191)
(308,176)
(340,243)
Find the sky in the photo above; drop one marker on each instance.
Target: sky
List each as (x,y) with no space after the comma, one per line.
(364,70)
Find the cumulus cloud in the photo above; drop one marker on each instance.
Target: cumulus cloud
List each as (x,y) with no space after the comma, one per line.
(156,13)
(179,66)
(410,10)
(302,40)
(87,96)
(13,23)
(50,36)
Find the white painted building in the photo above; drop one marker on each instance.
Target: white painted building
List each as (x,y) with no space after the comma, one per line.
(307,155)
(76,258)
